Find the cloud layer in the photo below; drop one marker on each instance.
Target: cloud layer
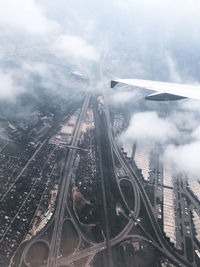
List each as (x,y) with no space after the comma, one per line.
(48,40)
(148,126)
(25,15)
(9,88)
(185,158)
(76,47)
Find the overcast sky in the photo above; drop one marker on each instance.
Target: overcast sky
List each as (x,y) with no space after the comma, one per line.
(151,39)
(148,39)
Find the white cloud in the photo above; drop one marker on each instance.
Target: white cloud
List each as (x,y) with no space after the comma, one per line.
(165,8)
(24,15)
(184,120)
(123,97)
(15,81)
(36,67)
(185,157)
(196,133)
(8,88)
(173,72)
(190,105)
(76,47)
(149,126)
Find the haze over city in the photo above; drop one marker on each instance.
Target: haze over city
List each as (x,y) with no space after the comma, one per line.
(91,174)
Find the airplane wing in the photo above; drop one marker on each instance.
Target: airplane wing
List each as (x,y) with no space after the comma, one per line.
(163,91)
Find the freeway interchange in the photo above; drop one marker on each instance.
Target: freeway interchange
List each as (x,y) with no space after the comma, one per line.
(107,152)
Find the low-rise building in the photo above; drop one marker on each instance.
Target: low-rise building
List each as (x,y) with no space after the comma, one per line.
(169,225)
(167,175)
(142,162)
(194,187)
(196,222)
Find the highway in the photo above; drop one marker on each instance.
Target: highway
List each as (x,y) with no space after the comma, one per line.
(131,173)
(57,218)
(102,246)
(59,213)
(156,174)
(186,209)
(107,227)
(136,209)
(109,242)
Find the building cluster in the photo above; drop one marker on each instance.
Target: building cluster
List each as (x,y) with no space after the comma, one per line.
(44,212)
(194,187)
(88,123)
(169,225)
(11,165)
(162,196)
(64,136)
(86,172)
(118,124)
(197,252)
(167,176)
(196,222)
(32,130)
(100,104)
(142,162)
(18,207)
(100,100)
(171,204)
(128,150)
(166,263)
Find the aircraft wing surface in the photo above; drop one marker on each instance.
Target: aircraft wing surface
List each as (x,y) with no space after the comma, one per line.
(163,90)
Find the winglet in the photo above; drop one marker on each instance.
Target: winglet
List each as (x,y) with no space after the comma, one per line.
(163,97)
(113,83)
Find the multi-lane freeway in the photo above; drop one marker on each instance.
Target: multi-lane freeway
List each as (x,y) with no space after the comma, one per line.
(59,214)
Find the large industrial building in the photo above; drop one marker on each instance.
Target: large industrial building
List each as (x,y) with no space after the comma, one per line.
(196,222)
(169,225)
(194,187)
(167,175)
(141,159)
